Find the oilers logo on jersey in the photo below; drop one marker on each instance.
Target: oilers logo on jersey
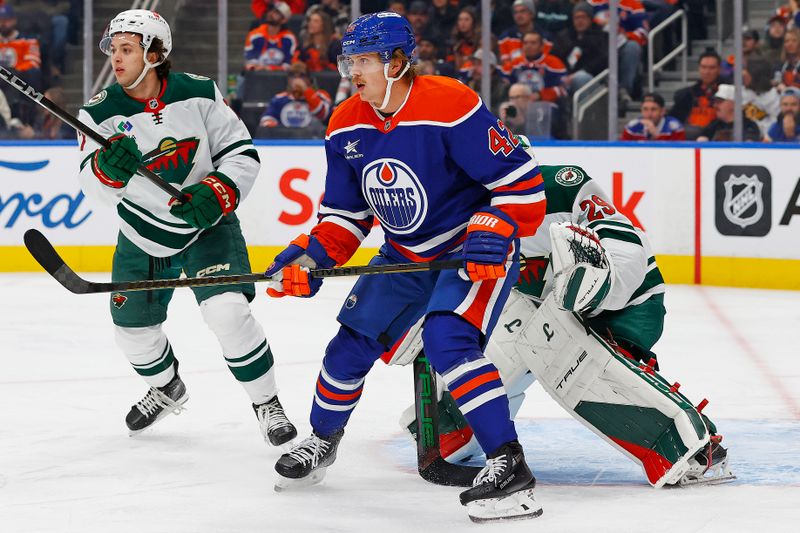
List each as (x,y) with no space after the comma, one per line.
(395,194)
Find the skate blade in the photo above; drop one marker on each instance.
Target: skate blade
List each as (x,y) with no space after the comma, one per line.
(176,410)
(520,505)
(286,483)
(716,475)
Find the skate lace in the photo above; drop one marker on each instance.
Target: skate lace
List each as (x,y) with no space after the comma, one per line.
(492,471)
(155,399)
(310,450)
(271,417)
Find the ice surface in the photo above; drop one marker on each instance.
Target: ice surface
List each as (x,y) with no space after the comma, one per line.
(67,464)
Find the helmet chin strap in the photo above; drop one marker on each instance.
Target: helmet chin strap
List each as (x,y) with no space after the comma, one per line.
(391,81)
(147,66)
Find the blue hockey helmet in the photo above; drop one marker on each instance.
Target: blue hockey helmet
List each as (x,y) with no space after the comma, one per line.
(382,33)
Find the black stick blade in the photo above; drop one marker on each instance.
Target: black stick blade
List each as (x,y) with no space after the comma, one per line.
(44,253)
(440,472)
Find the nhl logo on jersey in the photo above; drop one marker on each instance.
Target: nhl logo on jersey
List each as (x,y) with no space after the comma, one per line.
(569,176)
(743,201)
(395,194)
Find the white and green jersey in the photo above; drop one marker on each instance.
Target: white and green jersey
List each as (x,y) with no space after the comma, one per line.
(572,196)
(184,134)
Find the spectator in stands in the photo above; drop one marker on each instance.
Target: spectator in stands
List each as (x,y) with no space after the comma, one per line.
(397,6)
(419,17)
(339,14)
(750,49)
(300,105)
(583,47)
(510,43)
(21,55)
(790,12)
(542,72)
(48,126)
(721,128)
(466,39)
(633,29)
(694,105)
(10,126)
(443,18)
(513,112)
(429,49)
(772,47)
(271,46)
(498,84)
(553,16)
(654,124)
(319,47)
(49,21)
(788,73)
(787,126)
(760,99)
(261,7)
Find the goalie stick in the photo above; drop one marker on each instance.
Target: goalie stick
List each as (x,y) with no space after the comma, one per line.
(76,124)
(430,463)
(42,250)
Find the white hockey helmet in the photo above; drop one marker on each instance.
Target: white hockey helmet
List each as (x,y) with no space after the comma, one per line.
(149,24)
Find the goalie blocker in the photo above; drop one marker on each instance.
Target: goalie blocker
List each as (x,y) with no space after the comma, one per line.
(624,402)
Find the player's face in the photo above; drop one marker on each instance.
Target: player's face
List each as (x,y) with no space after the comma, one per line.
(652,111)
(127,57)
(366,70)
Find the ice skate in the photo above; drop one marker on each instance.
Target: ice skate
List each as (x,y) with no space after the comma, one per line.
(275,427)
(709,466)
(503,490)
(305,464)
(156,404)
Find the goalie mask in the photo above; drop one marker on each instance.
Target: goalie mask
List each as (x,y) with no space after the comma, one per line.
(149,25)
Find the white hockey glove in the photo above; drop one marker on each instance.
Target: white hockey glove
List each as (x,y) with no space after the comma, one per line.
(583,270)
(409,346)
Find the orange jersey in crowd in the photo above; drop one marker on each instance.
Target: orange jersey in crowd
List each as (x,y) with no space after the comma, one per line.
(20,53)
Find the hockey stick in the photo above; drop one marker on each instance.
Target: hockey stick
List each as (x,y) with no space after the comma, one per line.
(40,99)
(42,250)
(430,463)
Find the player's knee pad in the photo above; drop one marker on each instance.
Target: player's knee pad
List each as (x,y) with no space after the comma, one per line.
(228,315)
(350,355)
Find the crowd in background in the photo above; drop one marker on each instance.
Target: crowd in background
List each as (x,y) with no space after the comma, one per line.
(33,42)
(542,51)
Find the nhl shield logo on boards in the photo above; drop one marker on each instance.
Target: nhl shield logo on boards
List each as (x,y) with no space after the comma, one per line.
(395,194)
(118,300)
(743,197)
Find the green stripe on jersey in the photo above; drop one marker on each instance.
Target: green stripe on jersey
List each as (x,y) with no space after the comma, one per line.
(230,148)
(163,363)
(86,160)
(652,279)
(619,235)
(145,212)
(175,241)
(596,223)
(254,369)
(248,355)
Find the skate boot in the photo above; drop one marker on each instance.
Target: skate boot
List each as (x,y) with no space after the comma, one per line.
(709,466)
(305,464)
(156,404)
(275,427)
(503,489)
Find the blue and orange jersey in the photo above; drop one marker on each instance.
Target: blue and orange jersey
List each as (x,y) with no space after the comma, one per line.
(422,172)
(314,60)
(669,129)
(544,75)
(510,47)
(632,18)
(789,74)
(263,51)
(286,110)
(20,53)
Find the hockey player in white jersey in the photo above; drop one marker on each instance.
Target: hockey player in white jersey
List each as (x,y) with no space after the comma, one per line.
(588,258)
(179,126)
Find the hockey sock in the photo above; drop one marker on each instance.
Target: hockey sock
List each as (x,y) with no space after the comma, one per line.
(149,352)
(348,358)
(243,343)
(453,348)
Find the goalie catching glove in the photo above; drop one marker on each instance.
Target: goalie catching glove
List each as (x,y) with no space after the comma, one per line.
(290,270)
(490,234)
(583,270)
(215,196)
(115,166)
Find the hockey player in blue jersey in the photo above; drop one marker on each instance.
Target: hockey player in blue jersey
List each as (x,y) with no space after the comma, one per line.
(445,179)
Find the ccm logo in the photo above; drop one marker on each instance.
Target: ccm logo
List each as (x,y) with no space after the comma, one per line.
(221,189)
(213,269)
(483,220)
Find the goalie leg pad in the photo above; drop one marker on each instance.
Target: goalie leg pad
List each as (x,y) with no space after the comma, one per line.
(624,403)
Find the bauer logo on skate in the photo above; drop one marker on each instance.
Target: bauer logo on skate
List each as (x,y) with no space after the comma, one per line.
(395,194)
